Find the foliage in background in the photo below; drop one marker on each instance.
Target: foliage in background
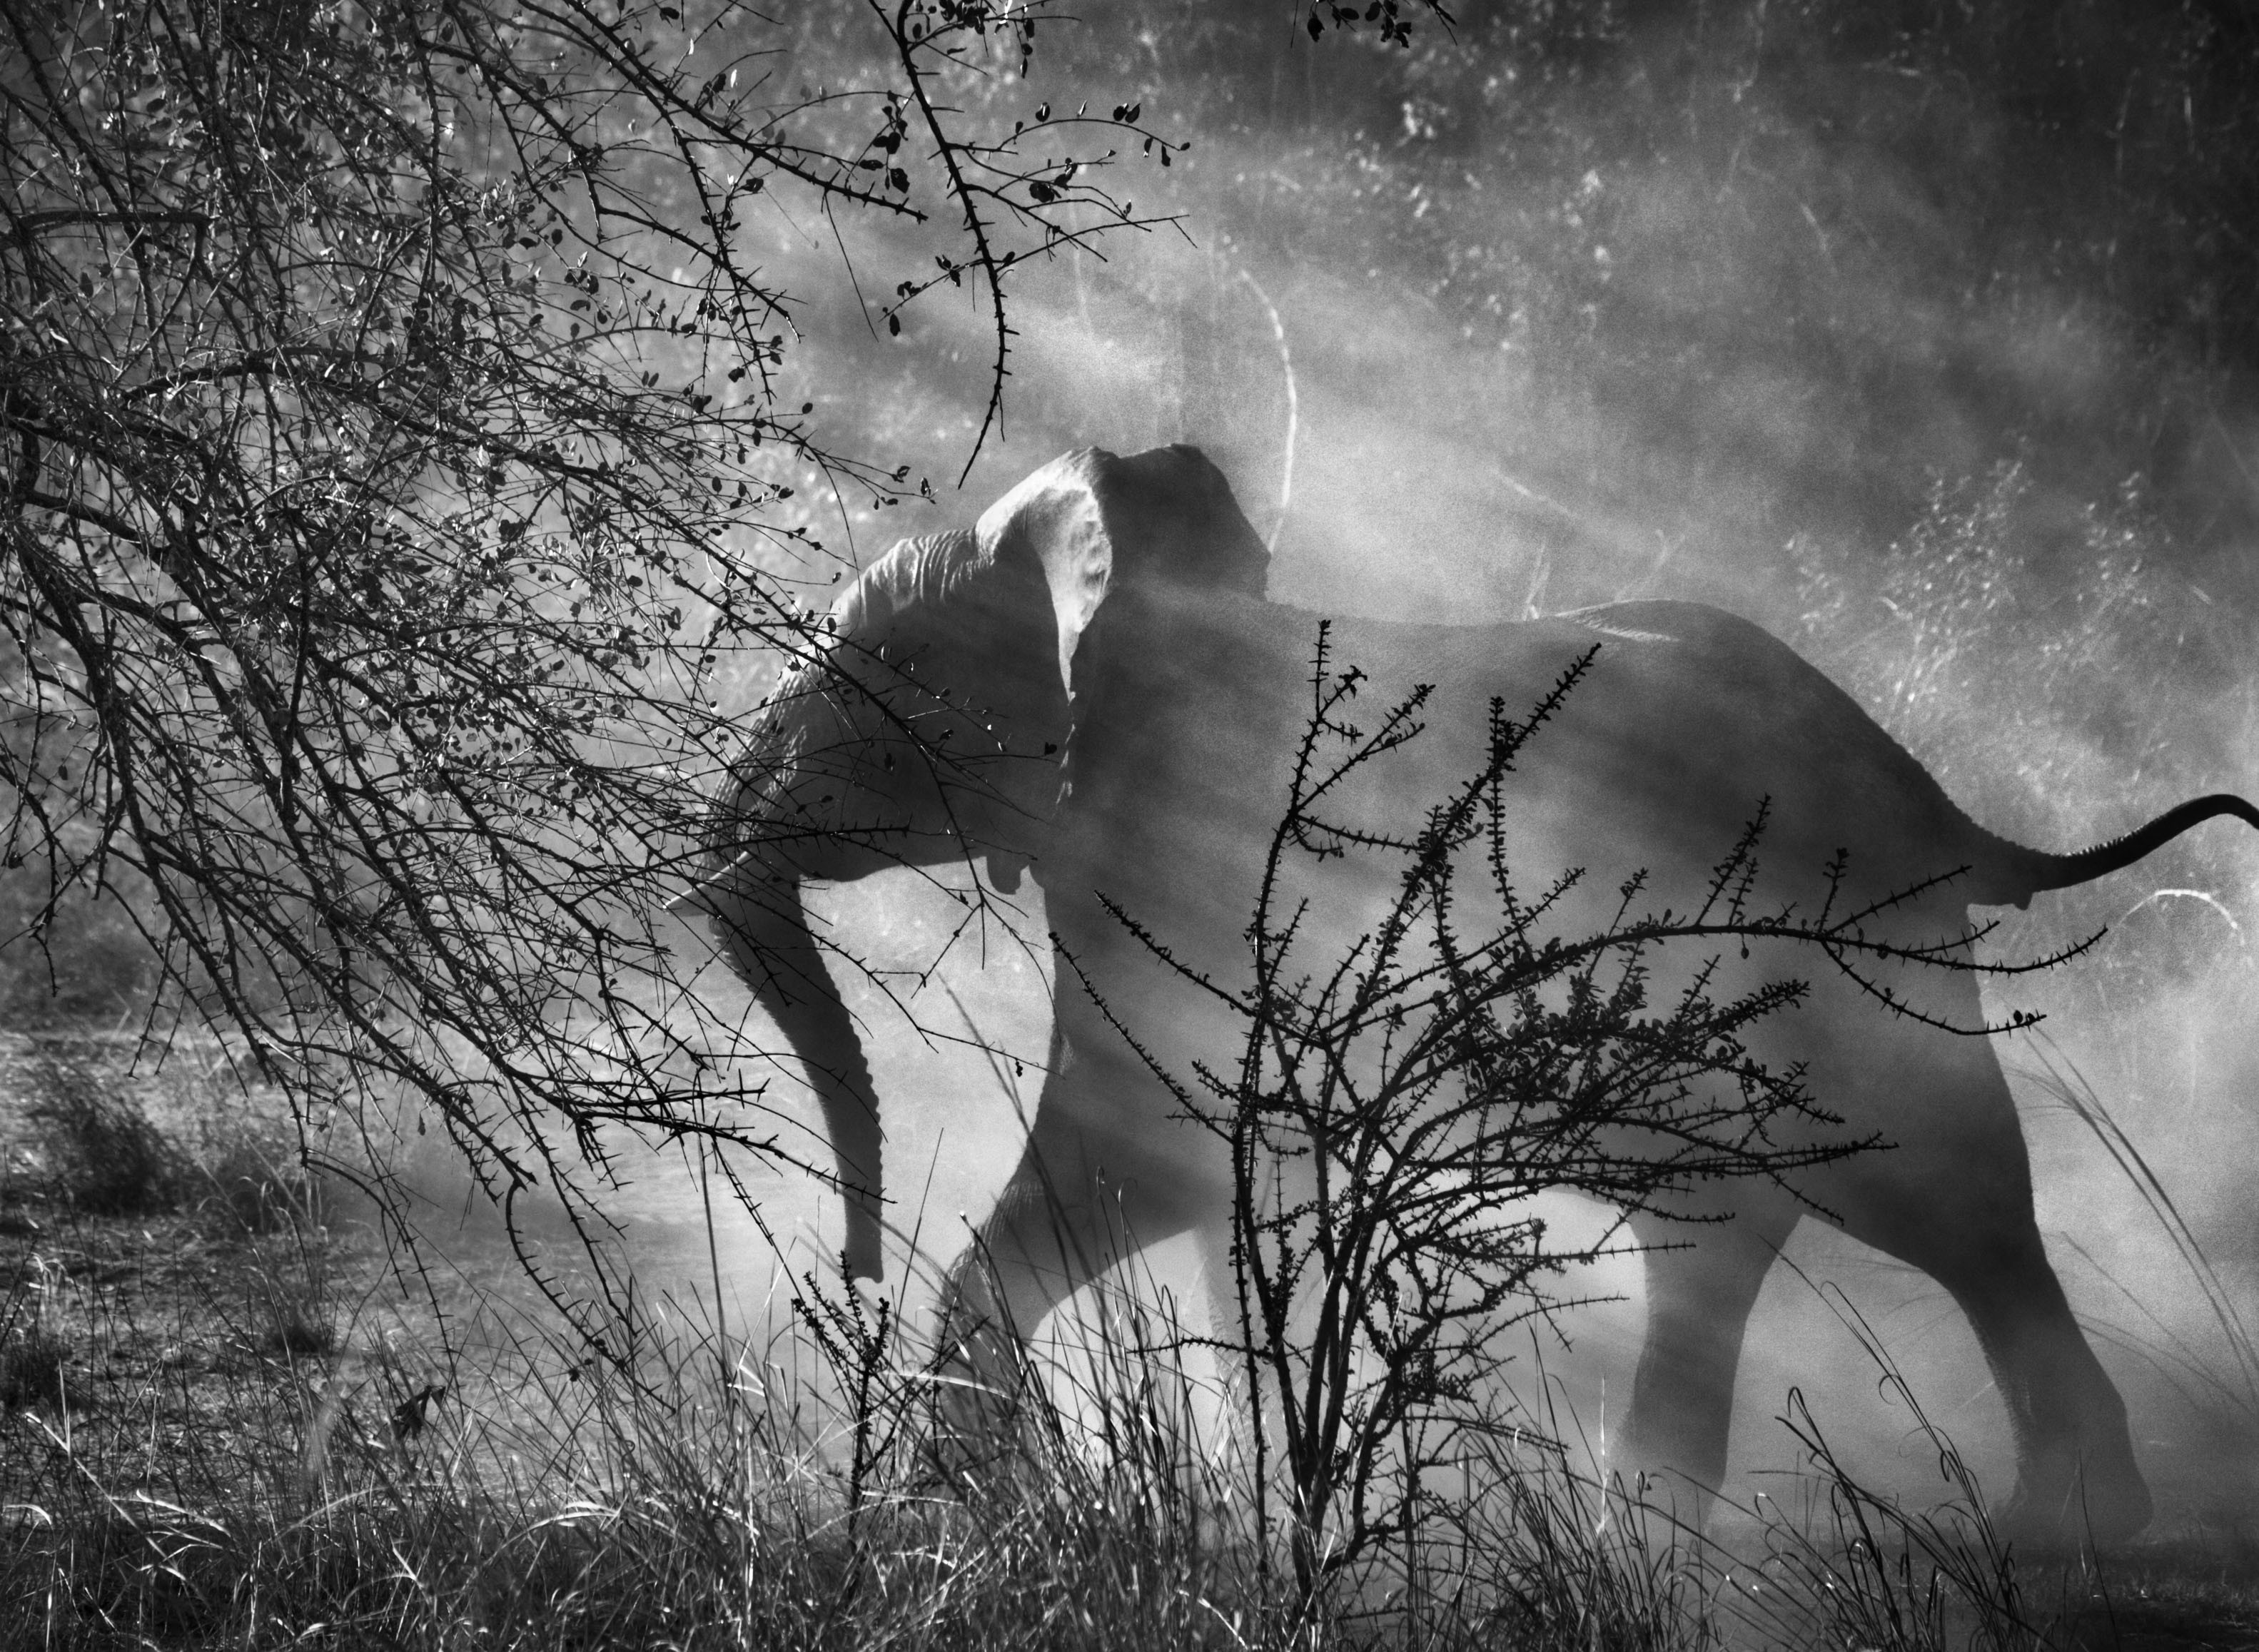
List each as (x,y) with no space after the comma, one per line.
(88,962)
(2105,676)
(1582,301)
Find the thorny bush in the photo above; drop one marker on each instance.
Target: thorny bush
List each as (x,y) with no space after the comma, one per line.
(1400,1099)
(394,445)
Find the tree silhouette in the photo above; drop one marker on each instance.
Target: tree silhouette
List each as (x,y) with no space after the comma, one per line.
(396,442)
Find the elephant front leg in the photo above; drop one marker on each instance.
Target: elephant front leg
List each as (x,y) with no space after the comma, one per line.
(980,1362)
(1101,1177)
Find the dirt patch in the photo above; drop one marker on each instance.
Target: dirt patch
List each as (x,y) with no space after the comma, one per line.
(176,1305)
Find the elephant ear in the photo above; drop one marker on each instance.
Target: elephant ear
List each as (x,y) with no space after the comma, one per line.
(1095,522)
(949,646)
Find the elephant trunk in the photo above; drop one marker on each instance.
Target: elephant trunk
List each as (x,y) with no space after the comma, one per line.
(763,924)
(927,724)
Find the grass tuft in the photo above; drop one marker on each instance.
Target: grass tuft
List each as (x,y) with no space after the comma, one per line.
(35,1373)
(105,1156)
(252,1192)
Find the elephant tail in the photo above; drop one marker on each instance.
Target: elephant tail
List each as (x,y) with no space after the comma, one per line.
(2033,871)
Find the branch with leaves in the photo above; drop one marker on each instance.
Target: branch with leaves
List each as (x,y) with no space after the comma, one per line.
(998,186)
(397,460)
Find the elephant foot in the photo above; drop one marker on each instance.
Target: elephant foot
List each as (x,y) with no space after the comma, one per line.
(2071,1510)
(980,1400)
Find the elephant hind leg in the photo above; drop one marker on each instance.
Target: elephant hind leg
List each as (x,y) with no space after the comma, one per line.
(1702,1282)
(1956,1203)
(2077,1477)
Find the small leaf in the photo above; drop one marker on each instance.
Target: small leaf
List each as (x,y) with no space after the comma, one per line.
(894,326)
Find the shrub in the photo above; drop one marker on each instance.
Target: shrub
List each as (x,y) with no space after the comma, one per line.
(106,1158)
(255,1191)
(35,1371)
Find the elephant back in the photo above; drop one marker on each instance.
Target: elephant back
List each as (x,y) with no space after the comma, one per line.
(1713,715)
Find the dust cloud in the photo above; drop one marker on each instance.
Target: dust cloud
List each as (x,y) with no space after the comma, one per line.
(1907,338)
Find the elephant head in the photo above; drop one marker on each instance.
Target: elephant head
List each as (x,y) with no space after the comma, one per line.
(934,723)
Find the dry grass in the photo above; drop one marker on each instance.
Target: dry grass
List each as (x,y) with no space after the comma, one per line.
(213,1438)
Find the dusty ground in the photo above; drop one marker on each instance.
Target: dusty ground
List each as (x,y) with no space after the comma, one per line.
(177,1301)
(186,1323)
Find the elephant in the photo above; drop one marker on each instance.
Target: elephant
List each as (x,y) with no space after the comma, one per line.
(1091,685)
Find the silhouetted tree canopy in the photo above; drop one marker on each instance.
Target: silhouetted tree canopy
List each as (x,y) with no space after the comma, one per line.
(397,442)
